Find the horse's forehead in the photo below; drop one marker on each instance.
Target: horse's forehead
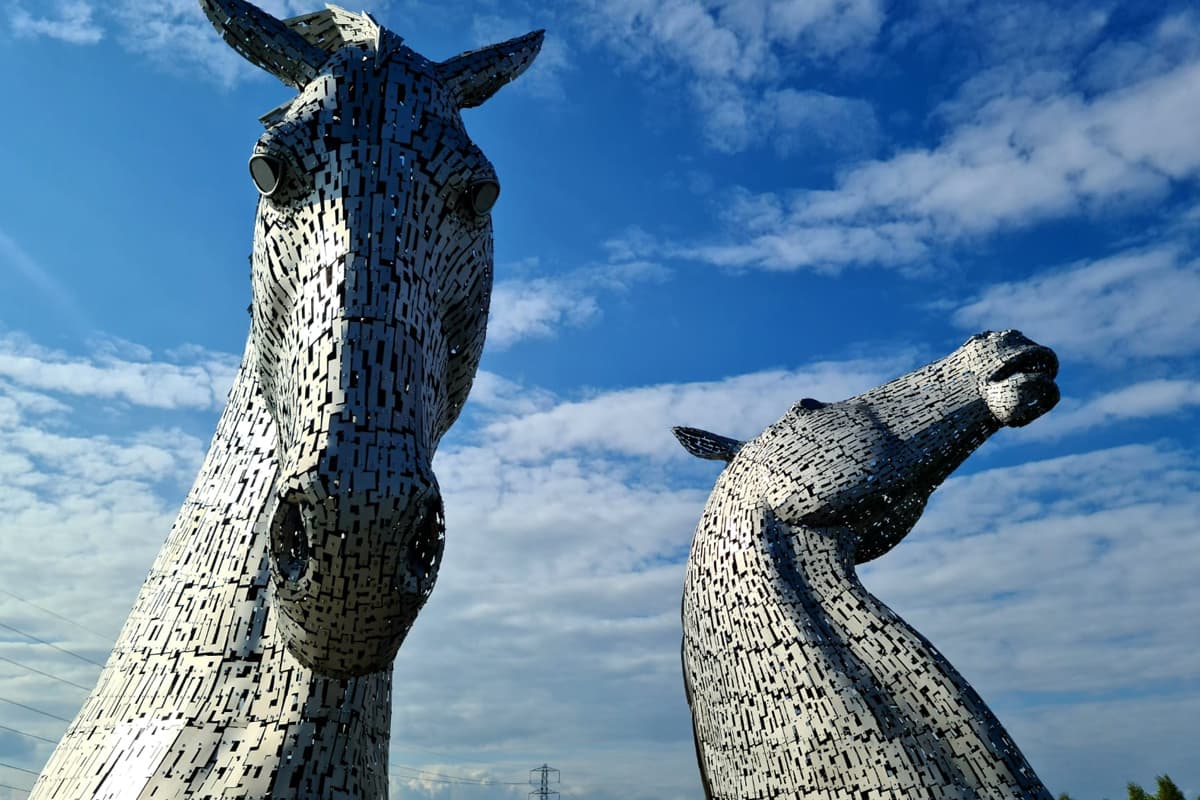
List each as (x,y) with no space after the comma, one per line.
(404,77)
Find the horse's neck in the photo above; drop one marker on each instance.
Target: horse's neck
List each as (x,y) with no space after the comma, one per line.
(781,636)
(199,698)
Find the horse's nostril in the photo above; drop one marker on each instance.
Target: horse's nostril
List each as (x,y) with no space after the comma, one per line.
(428,542)
(289,541)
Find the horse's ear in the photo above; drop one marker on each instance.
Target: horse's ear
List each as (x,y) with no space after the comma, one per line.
(703,444)
(264,41)
(474,76)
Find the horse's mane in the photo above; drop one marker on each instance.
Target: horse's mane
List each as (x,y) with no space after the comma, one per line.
(336,27)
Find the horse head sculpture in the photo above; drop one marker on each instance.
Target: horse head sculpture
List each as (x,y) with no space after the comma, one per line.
(801,683)
(372,275)
(256,661)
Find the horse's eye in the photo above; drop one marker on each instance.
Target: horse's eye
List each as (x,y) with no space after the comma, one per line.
(267,173)
(483,196)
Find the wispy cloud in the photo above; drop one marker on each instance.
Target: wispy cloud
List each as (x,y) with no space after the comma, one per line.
(54,291)
(792,121)
(1020,162)
(1144,400)
(730,60)
(1027,577)
(568,524)
(538,307)
(72,23)
(638,421)
(202,383)
(1017,150)
(176,35)
(1140,303)
(736,40)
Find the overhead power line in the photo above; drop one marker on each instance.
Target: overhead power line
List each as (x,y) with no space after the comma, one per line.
(18,769)
(15,788)
(56,615)
(47,674)
(40,640)
(30,735)
(34,710)
(440,777)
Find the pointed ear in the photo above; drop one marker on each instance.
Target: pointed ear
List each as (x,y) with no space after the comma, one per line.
(265,41)
(703,444)
(476,75)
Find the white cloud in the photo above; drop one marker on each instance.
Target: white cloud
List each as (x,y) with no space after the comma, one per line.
(1003,48)
(1024,159)
(1062,589)
(73,23)
(1134,304)
(53,290)
(1174,40)
(1118,730)
(732,40)
(1021,575)
(177,35)
(553,633)
(638,421)
(835,123)
(1144,400)
(730,57)
(498,394)
(81,518)
(201,384)
(736,117)
(532,308)
(1019,160)
(528,309)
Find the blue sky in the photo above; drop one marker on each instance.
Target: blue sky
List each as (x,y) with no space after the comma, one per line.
(710,209)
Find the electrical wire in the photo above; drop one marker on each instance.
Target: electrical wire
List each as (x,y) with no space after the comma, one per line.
(15,788)
(47,674)
(30,735)
(56,615)
(18,769)
(35,710)
(459,779)
(40,640)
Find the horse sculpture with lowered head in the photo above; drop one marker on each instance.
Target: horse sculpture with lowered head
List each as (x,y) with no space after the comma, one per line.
(256,661)
(801,683)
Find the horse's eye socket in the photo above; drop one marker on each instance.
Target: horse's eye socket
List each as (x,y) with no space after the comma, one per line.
(483,196)
(267,173)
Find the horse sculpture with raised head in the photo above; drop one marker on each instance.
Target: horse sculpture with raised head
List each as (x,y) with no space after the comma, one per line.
(801,683)
(257,659)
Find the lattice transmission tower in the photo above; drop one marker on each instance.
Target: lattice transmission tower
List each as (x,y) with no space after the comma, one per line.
(544,780)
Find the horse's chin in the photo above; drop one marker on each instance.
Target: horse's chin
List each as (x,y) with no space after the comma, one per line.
(1018,400)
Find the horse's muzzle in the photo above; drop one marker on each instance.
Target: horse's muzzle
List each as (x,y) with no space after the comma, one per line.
(351,570)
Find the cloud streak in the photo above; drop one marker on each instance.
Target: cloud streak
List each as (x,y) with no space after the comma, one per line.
(1135,304)
(553,634)
(201,384)
(1017,161)
(73,23)
(537,308)
(638,421)
(731,61)
(1139,401)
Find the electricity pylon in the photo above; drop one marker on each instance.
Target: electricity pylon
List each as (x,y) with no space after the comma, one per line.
(544,791)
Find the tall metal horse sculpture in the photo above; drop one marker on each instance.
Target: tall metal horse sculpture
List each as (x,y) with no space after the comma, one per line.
(257,659)
(802,684)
